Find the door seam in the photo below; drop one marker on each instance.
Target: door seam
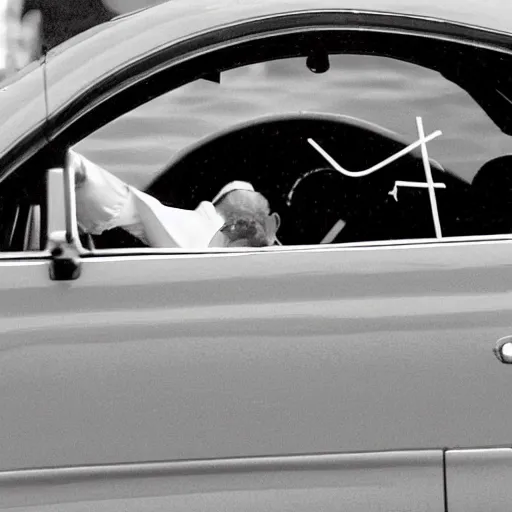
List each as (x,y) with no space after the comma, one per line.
(445,483)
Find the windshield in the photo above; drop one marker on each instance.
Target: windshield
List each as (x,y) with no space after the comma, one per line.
(387,92)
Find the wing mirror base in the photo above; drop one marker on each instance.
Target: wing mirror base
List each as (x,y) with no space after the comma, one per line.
(63,241)
(66,264)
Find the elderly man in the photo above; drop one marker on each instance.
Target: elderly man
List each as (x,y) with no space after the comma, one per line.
(237,216)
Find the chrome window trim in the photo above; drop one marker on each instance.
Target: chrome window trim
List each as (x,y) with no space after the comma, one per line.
(25,256)
(149,252)
(410,244)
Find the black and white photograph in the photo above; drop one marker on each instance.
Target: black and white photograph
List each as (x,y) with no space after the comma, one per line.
(255,256)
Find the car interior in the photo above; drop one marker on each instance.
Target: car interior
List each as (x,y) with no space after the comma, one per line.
(274,155)
(312,198)
(23,209)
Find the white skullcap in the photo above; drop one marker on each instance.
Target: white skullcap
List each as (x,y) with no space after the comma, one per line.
(231,187)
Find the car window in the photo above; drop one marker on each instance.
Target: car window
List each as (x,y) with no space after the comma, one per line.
(318,204)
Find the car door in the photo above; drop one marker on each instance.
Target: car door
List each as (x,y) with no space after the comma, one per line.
(257,380)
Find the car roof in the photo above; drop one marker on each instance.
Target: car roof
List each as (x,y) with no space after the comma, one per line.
(176,19)
(499,17)
(185,13)
(128,39)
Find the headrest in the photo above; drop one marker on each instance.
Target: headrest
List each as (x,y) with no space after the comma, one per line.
(493,181)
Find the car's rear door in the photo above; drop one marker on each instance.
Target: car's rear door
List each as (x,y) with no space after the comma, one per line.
(276,379)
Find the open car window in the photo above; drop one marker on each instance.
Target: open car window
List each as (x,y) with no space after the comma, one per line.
(257,125)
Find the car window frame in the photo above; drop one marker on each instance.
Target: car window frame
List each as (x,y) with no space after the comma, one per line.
(153,68)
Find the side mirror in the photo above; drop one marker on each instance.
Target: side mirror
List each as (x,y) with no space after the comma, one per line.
(63,240)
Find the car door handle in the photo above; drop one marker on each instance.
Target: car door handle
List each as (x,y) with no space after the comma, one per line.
(503,350)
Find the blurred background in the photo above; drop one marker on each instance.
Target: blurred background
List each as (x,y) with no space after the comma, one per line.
(27,26)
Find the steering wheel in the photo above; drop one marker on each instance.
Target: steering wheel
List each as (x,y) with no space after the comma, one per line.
(274,155)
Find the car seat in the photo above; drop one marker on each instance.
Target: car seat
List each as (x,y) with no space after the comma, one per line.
(491,191)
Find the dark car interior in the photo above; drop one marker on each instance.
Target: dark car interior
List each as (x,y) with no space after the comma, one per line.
(274,155)
(23,213)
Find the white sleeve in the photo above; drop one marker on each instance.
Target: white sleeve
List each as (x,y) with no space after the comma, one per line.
(103,201)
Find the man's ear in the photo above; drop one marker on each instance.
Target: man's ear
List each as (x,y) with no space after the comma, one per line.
(273,222)
(276,220)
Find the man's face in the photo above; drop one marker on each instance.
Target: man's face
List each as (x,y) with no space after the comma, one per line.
(253,206)
(241,242)
(221,240)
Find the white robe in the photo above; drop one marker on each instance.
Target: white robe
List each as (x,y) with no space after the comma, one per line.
(103,202)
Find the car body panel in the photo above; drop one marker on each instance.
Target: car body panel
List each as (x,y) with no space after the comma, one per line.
(23,111)
(398,481)
(479,479)
(271,353)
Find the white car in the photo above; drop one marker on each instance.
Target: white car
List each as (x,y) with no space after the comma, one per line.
(362,365)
